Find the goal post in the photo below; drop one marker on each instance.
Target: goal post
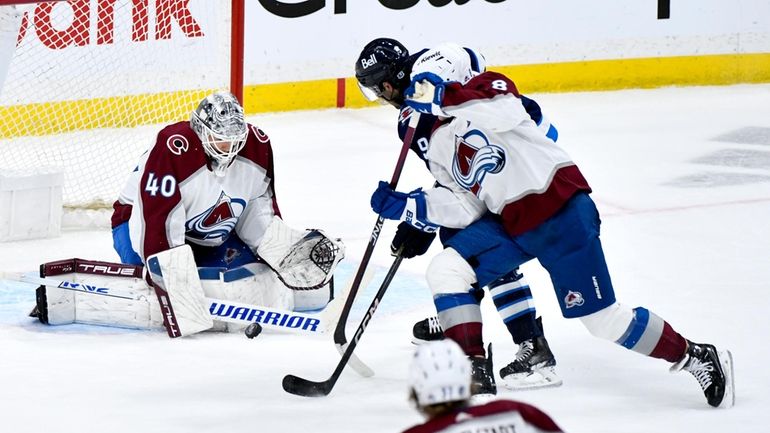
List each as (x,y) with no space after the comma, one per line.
(90,82)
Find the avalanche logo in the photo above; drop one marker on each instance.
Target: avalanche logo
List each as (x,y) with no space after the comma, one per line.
(217,221)
(261,136)
(177,144)
(474,158)
(573,299)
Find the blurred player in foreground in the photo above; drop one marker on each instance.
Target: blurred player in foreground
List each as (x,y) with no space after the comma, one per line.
(440,379)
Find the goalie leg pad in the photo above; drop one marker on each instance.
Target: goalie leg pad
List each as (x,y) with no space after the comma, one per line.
(55,306)
(174,277)
(60,307)
(256,284)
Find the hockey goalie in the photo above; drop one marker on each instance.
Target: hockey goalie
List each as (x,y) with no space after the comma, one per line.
(198,220)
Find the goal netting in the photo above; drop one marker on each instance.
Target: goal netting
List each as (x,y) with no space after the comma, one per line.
(90,82)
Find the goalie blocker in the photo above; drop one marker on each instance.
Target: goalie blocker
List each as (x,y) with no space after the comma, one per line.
(184,293)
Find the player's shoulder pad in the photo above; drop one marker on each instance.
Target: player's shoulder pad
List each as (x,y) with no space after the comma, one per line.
(177,139)
(177,151)
(258,133)
(533,109)
(257,148)
(493,80)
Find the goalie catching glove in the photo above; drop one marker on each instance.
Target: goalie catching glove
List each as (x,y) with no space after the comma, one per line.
(302,259)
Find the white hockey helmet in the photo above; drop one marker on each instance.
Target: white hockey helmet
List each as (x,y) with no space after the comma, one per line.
(450,62)
(218,121)
(440,372)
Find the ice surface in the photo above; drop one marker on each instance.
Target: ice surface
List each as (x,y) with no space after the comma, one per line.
(686,231)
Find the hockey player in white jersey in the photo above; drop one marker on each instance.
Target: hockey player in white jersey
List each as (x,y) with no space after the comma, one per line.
(382,71)
(208,183)
(439,381)
(486,149)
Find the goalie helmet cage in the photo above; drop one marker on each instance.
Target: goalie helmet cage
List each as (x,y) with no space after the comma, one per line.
(91,82)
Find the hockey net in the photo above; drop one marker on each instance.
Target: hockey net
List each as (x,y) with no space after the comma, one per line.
(90,82)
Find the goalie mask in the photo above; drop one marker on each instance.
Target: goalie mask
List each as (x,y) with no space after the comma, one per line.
(218,121)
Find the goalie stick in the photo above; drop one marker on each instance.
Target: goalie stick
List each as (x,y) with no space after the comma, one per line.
(308,388)
(226,311)
(339,332)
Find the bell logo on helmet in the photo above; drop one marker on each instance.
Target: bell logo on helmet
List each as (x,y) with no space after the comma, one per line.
(371,61)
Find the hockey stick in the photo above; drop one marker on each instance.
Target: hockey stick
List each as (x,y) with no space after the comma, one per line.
(222,310)
(307,388)
(339,333)
(332,311)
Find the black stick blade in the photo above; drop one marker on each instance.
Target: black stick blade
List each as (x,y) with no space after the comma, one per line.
(305,388)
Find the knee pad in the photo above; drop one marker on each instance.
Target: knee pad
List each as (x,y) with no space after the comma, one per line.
(609,323)
(449,273)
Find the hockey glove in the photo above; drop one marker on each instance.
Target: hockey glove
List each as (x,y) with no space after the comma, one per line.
(388,203)
(426,93)
(412,241)
(394,205)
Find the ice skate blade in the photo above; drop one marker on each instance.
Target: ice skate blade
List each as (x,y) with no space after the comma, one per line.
(479,399)
(545,377)
(418,341)
(726,360)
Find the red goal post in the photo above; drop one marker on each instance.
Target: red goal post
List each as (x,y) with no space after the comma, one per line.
(86,84)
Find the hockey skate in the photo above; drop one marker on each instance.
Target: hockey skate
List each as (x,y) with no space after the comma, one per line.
(428,329)
(483,376)
(713,370)
(534,367)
